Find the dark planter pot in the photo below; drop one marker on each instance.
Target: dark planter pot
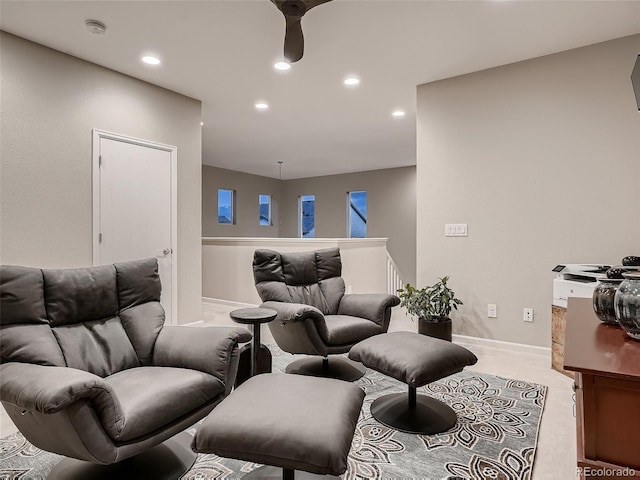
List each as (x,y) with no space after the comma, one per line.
(441,330)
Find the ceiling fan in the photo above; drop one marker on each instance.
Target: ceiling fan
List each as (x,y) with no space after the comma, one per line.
(293,11)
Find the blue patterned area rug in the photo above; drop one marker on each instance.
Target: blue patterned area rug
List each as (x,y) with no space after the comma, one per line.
(495,437)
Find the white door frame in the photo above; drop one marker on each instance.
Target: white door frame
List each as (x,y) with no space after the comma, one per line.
(173,152)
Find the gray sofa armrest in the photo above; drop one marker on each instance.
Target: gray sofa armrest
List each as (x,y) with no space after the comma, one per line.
(293,312)
(298,328)
(212,350)
(372,306)
(49,390)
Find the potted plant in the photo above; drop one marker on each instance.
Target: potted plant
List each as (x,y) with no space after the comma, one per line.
(432,305)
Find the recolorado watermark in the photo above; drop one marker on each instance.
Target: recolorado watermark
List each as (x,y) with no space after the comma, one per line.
(605,472)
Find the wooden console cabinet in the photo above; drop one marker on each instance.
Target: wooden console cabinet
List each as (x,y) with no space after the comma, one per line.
(607,386)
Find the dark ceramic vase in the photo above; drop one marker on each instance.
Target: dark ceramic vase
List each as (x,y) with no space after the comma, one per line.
(603,299)
(627,304)
(441,330)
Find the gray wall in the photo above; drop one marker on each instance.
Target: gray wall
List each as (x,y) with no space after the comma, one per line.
(391,197)
(391,205)
(542,159)
(247,188)
(50,102)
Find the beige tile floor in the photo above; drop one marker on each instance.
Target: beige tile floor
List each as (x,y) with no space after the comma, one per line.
(555,458)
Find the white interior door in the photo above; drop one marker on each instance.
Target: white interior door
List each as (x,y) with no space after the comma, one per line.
(135,210)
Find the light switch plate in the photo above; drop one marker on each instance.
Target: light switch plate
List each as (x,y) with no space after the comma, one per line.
(455,230)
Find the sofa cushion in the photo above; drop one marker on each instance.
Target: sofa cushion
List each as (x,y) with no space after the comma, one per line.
(77,295)
(308,295)
(169,393)
(21,295)
(412,358)
(299,268)
(30,344)
(345,329)
(333,290)
(138,282)
(143,324)
(290,421)
(328,263)
(100,347)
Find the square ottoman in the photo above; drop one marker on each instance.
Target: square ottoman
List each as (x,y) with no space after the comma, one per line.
(416,360)
(292,422)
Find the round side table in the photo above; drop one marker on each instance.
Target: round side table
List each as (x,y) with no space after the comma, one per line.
(254,317)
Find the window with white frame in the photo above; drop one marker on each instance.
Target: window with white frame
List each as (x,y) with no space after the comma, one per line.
(307,216)
(357,214)
(264,202)
(226,206)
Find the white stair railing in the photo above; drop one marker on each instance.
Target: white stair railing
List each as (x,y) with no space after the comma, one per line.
(394,279)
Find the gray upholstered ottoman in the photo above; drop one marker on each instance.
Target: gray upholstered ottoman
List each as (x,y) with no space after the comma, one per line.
(289,421)
(415,360)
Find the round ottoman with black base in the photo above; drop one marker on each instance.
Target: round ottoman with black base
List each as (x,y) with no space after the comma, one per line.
(297,426)
(415,360)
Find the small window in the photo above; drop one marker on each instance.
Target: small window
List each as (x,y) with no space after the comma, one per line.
(307,216)
(265,210)
(357,208)
(226,206)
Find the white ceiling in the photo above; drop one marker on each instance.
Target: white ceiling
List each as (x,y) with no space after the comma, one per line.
(222,52)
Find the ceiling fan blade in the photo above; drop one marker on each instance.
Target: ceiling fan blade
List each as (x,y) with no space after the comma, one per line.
(293,11)
(293,40)
(314,3)
(306,5)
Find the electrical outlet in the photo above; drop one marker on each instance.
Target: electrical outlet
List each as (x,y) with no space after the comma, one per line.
(528,315)
(492,310)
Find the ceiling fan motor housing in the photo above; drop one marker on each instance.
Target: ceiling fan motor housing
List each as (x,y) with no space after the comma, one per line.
(294,8)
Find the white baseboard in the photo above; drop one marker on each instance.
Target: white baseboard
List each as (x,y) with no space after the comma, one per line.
(193,324)
(219,302)
(230,303)
(464,339)
(502,345)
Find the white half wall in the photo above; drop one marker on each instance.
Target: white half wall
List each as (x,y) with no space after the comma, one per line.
(227,272)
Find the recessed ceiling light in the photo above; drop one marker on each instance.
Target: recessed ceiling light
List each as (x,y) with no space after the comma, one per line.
(201,124)
(282,66)
(151,60)
(262,105)
(351,81)
(398,113)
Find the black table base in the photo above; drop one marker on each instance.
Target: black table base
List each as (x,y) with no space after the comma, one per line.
(335,367)
(253,317)
(167,461)
(277,473)
(413,413)
(246,359)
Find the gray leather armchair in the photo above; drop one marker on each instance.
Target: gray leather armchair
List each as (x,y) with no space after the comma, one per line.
(315,316)
(89,370)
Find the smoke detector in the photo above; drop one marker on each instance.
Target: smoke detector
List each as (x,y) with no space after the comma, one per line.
(96,27)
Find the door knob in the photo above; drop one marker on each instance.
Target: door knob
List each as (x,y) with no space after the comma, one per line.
(166,251)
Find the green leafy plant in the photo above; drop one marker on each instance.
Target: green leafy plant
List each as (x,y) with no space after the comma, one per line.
(432,303)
